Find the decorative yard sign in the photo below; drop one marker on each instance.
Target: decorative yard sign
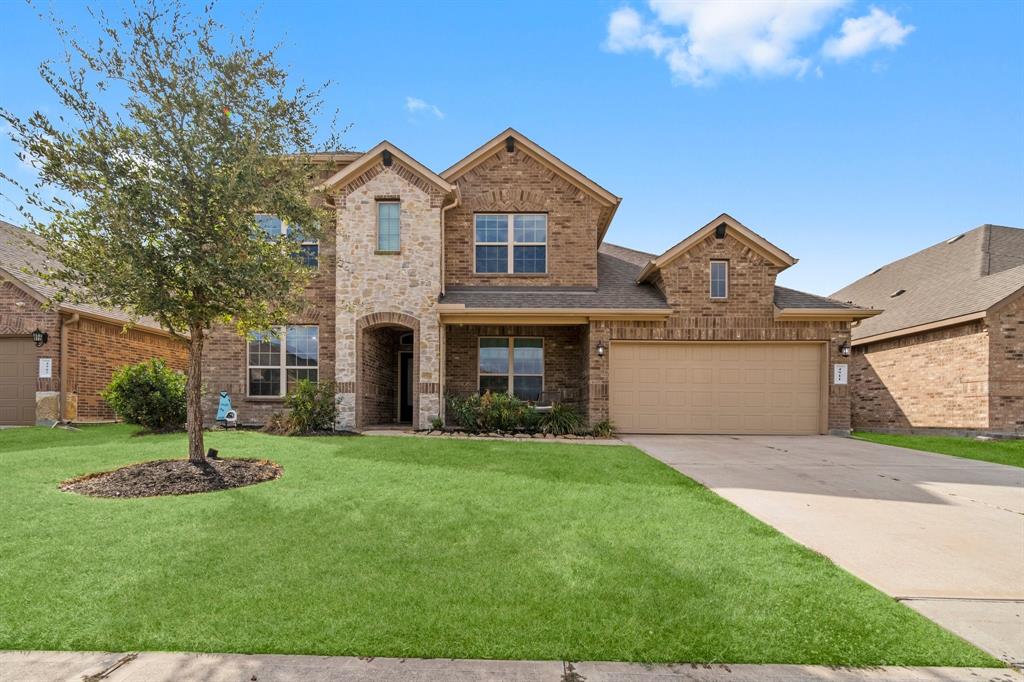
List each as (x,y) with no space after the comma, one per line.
(840,372)
(45,368)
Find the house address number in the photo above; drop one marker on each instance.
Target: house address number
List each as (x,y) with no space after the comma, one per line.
(45,368)
(840,374)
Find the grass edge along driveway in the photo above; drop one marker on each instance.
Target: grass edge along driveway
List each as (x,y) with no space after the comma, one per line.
(1008,452)
(411,547)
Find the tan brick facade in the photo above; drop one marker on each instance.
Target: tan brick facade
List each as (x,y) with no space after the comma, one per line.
(964,378)
(95,349)
(517,183)
(747,314)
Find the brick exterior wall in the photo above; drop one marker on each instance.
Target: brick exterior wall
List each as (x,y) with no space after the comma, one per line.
(379,360)
(95,350)
(517,183)
(397,290)
(1006,363)
(746,315)
(933,380)
(564,358)
(225,361)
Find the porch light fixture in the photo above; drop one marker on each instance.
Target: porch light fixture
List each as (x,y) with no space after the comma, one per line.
(844,349)
(600,349)
(39,337)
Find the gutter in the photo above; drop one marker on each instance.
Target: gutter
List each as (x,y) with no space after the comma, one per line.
(445,209)
(65,322)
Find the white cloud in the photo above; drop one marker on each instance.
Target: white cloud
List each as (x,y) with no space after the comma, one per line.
(702,40)
(872,31)
(415,105)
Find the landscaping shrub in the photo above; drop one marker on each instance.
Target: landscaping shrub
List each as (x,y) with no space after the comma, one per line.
(311,407)
(436,424)
(149,394)
(562,419)
(603,429)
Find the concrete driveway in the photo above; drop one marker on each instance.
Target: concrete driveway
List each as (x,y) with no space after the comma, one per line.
(943,534)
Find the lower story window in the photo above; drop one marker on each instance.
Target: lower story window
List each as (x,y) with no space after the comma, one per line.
(280,358)
(512,364)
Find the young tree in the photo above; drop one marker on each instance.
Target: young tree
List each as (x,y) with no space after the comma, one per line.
(176,135)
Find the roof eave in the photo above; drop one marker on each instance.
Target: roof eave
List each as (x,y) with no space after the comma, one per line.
(368,159)
(823,314)
(918,328)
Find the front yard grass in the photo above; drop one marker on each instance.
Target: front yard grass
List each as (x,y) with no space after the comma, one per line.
(425,548)
(1009,452)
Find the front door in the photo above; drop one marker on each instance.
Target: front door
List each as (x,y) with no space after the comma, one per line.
(405,390)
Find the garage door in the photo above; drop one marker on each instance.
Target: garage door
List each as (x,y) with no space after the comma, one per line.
(17,382)
(731,388)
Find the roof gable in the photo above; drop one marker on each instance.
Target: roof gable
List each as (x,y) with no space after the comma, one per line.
(734,229)
(370,158)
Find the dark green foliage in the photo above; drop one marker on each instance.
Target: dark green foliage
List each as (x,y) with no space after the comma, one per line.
(311,407)
(149,394)
(562,419)
(436,424)
(488,412)
(603,429)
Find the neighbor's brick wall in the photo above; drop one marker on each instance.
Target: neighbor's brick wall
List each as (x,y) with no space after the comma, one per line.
(746,315)
(1006,363)
(21,320)
(936,379)
(518,183)
(564,358)
(96,349)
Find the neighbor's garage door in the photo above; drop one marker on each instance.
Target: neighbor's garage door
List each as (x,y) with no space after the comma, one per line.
(729,388)
(17,382)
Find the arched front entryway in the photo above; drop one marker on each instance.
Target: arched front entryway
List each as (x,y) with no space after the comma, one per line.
(387,370)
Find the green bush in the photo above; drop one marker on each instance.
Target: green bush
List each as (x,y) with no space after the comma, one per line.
(436,424)
(561,419)
(603,429)
(150,394)
(311,407)
(488,412)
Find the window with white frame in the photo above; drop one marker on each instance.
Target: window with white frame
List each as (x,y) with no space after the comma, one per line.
(389,234)
(513,365)
(719,279)
(519,250)
(280,358)
(307,251)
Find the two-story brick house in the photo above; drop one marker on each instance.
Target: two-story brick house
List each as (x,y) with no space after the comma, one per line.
(493,275)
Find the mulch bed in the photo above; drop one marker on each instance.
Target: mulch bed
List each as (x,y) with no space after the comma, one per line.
(173,477)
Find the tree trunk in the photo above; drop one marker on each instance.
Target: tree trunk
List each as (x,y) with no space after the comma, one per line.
(194,397)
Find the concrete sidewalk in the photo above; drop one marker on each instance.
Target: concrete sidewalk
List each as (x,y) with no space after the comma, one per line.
(48,666)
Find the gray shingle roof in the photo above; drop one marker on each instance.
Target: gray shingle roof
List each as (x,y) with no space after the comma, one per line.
(616,288)
(791,298)
(19,256)
(967,274)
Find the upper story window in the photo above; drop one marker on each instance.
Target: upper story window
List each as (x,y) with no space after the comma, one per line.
(719,279)
(389,234)
(280,358)
(308,251)
(519,250)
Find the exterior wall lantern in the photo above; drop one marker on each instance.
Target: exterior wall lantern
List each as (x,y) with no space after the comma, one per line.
(40,337)
(600,349)
(844,349)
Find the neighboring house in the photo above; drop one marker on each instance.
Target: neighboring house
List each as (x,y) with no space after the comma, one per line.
(83,343)
(948,352)
(492,275)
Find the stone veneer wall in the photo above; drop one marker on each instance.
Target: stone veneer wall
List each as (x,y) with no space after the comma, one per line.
(564,358)
(746,315)
(1006,365)
(518,183)
(932,380)
(401,284)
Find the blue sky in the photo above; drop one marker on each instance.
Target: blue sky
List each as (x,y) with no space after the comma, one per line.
(849,134)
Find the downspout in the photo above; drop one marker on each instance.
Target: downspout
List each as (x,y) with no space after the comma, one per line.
(65,322)
(442,336)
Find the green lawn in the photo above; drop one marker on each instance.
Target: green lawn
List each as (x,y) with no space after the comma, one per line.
(1009,452)
(428,548)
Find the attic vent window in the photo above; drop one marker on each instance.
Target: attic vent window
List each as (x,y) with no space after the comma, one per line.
(950,241)
(387,158)
(720,231)
(510,144)
(898,292)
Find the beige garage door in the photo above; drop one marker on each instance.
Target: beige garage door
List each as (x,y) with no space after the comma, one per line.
(17,382)
(731,388)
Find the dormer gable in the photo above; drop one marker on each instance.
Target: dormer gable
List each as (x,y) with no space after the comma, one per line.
(386,154)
